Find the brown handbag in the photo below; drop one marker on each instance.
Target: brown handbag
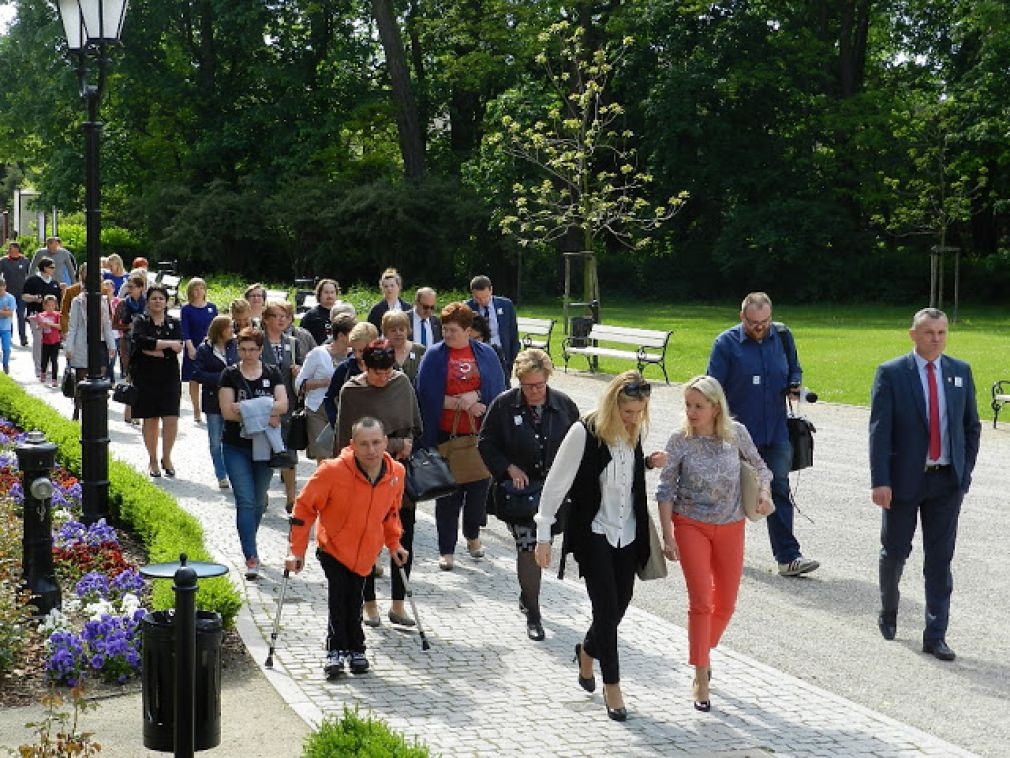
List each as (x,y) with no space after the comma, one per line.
(460,450)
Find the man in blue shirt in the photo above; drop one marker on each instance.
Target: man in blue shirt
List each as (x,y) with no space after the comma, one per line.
(756,365)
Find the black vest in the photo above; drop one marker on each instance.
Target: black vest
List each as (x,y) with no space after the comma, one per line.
(586,496)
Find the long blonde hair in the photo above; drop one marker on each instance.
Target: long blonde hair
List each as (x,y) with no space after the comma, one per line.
(712,391)
(605,420)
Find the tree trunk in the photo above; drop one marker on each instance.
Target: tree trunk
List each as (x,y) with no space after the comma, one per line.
(408,123)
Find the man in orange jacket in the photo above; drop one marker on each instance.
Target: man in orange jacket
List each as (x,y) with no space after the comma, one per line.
(356,500)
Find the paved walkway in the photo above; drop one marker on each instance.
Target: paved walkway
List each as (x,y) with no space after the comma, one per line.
(483,688)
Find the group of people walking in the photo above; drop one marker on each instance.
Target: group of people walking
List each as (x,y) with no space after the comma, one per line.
(412,377)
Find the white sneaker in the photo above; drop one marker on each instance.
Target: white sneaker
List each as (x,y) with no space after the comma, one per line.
(798,566)
(333,666)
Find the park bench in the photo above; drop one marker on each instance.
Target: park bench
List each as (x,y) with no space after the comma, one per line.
(304,302)
(650,346)
(1000,397)
(171,283)
(279,295)
(535,332)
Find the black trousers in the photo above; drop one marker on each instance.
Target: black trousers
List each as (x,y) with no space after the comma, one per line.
(50,354)
(343,594)
(609,573)
(407,515)
(937,505)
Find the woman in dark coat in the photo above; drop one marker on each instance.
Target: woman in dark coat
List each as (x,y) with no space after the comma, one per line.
(154,369)
(215,353)
(390,283)
(522,431)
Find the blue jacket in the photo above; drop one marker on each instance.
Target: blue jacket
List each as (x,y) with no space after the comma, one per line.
(207,368)
(899,425)
(508,328)
(431,378)
(755,377)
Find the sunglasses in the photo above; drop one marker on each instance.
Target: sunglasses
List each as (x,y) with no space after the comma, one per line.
(637,390)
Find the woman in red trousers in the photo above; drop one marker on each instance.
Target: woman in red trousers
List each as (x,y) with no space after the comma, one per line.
(702,517)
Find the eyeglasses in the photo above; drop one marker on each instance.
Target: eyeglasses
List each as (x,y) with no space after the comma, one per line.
(423,307)
(637,390)
(534,386)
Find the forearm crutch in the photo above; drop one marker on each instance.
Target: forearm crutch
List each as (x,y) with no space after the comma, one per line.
(269,663)
(425,645)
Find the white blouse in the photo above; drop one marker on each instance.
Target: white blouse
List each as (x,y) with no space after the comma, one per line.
(616,518)
(318,365)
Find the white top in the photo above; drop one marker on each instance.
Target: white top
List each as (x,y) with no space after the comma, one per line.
(616,517)
(318,365)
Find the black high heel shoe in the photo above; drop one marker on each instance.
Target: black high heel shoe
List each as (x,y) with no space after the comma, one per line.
(587,683)
(617,714)
(701,705)
(168,471)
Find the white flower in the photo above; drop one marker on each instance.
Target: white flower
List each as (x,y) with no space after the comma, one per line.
(96,610)
(54,621)
(129,604)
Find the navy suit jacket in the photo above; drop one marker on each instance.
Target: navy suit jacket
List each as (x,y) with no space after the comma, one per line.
(899,425)
(508,327)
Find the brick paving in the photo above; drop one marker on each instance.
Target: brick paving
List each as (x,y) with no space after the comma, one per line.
(483,688)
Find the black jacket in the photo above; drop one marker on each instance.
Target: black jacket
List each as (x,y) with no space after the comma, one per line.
(317,322)
(379,310)
(207,371)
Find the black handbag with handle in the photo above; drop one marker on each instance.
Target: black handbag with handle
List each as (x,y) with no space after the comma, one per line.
(69,386)
(428,475)
(298,427)
(514,504)
(124,392)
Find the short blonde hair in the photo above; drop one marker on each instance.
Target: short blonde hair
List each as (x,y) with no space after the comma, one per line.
(605,421)
(393,319)
(532,360)
(712,391)
(391,273)
(193,284)
(363,331)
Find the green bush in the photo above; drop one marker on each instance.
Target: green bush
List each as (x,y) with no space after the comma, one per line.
(352,735)
(165,529)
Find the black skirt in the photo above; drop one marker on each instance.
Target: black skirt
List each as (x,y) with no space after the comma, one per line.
(159,388)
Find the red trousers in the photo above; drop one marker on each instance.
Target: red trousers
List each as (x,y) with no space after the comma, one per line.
(711,556)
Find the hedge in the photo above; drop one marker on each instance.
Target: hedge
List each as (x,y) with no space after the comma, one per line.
(154,515)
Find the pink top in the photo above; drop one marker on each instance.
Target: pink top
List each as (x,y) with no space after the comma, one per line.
(50,323)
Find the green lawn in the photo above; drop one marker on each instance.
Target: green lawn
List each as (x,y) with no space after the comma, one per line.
(839,345)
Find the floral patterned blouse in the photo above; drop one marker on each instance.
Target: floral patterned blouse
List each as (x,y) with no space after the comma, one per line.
(702,475)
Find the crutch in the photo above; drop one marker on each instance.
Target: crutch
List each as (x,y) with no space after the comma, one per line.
(425,645)
(269,663)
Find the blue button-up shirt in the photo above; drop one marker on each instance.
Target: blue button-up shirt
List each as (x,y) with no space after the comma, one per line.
(755,377)
(941,396)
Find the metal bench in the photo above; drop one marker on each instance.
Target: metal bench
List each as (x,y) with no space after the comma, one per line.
(171,283)
(281,295)
(535,332)
(650,346)
(1000,397)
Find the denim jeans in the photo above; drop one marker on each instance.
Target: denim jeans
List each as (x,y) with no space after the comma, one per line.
(249,482)
(215,429)
(5,341)
(779,458)
(472,499)
(22,320)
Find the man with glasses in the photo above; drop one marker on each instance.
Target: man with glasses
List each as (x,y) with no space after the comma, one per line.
(500,314)
(425,326)
(756,364)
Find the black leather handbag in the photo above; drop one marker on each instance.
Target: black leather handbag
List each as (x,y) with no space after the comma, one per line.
(69,386)
(801,437)
(513,504)
(124,392)
(428,475)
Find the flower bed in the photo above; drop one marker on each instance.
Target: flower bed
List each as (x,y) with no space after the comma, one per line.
(97,631)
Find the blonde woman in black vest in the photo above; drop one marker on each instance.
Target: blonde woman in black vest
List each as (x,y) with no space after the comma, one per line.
(601,466)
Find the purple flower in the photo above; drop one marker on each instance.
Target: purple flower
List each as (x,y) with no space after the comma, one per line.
(92,586)
(16,493)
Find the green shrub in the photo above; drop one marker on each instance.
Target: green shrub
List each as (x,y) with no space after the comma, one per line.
(352,735)
(165,529)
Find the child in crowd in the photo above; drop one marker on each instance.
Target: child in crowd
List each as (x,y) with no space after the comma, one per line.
(49,321)
(8,306)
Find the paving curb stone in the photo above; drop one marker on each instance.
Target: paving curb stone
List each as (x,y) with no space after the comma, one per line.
(484,689)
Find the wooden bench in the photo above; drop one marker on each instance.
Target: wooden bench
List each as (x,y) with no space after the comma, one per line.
(535,332)
(650,346)
(1000,397)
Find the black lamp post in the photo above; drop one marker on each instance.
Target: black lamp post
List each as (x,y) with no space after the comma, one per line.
(92,27)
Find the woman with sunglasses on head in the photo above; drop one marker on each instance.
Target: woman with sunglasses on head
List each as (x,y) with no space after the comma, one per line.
(518,442)
(702,518)
(154,369)
(383,392)
(601,467)
(457,380)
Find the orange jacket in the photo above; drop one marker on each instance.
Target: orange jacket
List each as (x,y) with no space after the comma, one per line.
(355,517)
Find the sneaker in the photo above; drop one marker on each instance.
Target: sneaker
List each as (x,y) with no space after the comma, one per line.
(359,663)
(42,377)
(252,568)
(334,664)
(54,385)
(798,566)
(222,484)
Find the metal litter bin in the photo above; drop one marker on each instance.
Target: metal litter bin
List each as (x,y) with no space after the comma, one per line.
(581,326)
(158,678)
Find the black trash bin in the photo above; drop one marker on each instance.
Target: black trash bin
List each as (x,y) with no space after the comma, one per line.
(158,677)
(580,329)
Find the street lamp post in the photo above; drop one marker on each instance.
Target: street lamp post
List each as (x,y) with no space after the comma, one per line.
(92,27)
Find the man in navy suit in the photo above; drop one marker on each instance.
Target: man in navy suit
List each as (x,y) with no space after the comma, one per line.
(500,314)
(924,437)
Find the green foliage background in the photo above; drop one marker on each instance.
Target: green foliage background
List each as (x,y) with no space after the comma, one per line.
(825,145)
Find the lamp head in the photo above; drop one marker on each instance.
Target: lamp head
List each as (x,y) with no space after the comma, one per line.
(73,24)
(41,488)
(103,19)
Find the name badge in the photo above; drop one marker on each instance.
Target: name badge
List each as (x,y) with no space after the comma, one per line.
(958,381)
(266,382)
(500,312)
(412,356)
(517,420)
(756,379)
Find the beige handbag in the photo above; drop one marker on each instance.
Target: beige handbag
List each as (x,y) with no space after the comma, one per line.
(655,566)
(750,491)
(460,450)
